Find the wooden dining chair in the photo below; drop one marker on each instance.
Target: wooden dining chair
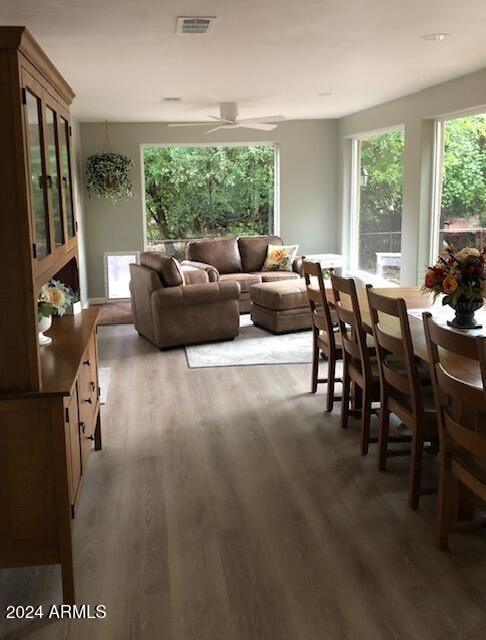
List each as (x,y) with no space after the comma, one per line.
(461,413)
(324,338)
(402,388)
(357,367)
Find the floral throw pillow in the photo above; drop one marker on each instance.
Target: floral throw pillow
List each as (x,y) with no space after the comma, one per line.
(280,257)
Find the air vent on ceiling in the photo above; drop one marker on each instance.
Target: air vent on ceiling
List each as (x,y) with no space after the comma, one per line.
(195,25)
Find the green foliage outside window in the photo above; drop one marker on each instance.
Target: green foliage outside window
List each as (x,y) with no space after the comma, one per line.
(464,186)
(195,192)
(464,171)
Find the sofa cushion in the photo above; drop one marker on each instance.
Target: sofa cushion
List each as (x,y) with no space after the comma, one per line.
(280,296)
(245,280)
(169,269)
(222,253)
(253,251)
(280,257)
(274,276)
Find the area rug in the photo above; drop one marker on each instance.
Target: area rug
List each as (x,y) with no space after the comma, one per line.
(253,346)
(115,313)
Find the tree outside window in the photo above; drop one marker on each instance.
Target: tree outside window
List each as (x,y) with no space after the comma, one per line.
(198,192)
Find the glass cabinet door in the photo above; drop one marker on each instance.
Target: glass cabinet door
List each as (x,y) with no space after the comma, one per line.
(66,175)
(37,176)
(53,176)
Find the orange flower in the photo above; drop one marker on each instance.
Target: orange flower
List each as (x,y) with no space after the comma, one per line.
(450,284)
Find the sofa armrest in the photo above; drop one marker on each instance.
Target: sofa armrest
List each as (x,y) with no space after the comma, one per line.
(195,294)
(213,273)
(298,265)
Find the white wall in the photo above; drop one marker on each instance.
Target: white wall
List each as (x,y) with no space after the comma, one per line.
(79,203)
(416,113)
(308,178)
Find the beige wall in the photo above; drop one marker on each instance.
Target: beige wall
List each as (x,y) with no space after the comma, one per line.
(417,113)
(307,153)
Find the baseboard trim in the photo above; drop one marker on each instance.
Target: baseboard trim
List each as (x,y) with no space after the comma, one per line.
(97,301)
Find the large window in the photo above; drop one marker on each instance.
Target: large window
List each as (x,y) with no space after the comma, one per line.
(197,192)
(460,204)
(376,228)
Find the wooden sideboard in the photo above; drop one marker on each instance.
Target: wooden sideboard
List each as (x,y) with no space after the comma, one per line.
(46,440)
(49,396)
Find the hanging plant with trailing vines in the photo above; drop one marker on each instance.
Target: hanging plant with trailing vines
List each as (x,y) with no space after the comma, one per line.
(109,174)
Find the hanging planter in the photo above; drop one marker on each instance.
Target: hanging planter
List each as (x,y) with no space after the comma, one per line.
(108,174)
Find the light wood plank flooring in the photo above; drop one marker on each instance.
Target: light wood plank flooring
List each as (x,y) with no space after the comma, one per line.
(226,505)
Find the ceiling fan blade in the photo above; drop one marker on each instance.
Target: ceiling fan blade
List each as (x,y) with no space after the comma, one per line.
(216,129)
(189,124)
(260,126)
(222,120)
(265,119)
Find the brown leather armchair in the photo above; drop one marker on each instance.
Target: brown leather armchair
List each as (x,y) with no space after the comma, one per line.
(170,313)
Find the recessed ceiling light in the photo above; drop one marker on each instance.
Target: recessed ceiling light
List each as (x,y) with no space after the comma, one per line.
(435,37)
(324,93)
(171,99)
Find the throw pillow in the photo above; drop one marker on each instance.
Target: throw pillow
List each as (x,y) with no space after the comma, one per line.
(280,257)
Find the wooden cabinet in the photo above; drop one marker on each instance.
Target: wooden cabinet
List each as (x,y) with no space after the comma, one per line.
(49,396)
(38,219)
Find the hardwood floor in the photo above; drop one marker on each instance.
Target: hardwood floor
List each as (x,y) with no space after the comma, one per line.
(226,505)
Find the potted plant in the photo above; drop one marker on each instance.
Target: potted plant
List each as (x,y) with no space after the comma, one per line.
(108,176)
(461,277)
(54,298)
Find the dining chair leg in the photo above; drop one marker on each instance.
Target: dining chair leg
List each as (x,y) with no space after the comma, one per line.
(331,373)
(365,422)
(315,363)
(416,469)
(444,506)
(384,430)
(345,399)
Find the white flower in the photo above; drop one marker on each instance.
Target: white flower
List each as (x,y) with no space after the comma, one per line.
(464,254)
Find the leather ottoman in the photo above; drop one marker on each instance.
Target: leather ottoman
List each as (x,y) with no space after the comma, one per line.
(280,307)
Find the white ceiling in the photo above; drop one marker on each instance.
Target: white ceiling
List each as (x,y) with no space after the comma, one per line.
(271,56)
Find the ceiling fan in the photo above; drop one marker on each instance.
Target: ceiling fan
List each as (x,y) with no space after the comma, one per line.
(228,119)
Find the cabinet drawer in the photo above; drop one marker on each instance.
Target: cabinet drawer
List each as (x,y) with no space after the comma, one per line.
(88,383)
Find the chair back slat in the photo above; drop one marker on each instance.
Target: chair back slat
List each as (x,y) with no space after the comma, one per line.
(466,438)
(388,342)
(461,405)
(398,381)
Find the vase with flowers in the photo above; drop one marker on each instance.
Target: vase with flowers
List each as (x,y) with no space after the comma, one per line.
(54,298)
(461,277)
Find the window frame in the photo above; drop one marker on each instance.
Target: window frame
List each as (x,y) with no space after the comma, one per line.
(355,204)
(438,176)
(276,165)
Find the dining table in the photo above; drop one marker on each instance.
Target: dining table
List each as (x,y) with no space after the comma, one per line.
(417,302)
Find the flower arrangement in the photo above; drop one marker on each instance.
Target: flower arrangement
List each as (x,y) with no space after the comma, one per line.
(108,176)
(54,298)
(459,275)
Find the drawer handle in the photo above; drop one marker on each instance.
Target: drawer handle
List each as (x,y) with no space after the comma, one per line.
(90,438)
(92,385)
(88,401)
(87,362)
(83,427)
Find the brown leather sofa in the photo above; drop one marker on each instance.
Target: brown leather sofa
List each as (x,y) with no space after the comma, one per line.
(238,260)
(174,305)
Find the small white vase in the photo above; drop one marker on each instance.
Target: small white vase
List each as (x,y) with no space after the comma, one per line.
(44,324)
